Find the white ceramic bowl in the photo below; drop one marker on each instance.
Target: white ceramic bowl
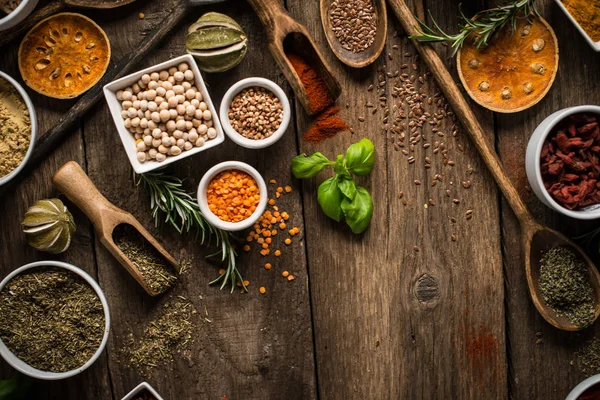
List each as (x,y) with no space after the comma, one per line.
(226,103)
(139,389)
(533,165)
(203,203)
(21,12)
(595,45)
(110,93)
(34,127)
(583,386)
(25,368)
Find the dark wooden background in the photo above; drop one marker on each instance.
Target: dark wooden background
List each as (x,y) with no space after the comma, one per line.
(368,317)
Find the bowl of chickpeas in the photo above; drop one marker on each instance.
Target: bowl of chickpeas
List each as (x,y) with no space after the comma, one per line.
(163,114)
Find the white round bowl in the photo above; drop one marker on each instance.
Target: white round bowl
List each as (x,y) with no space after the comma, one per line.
(583,386)
(203,202)
(533,164)
(25,368)
(21,12)
(34,127)
(228,99)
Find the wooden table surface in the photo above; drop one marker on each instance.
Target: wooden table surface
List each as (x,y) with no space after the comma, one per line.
(369,316)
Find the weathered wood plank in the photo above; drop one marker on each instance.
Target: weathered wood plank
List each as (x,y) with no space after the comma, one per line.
(255,346)
(14,251)
(392,320)
(576,84)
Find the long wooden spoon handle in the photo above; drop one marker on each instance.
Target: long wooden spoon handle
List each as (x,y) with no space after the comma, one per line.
(462,110)
(268,11)
(43,13)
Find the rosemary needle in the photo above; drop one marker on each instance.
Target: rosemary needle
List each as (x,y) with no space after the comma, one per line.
(485,24)
(174,206)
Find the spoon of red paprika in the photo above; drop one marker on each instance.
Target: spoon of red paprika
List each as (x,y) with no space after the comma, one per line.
(536,239)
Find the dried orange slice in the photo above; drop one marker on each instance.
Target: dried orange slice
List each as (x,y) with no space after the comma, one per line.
(64,55)
(515,71)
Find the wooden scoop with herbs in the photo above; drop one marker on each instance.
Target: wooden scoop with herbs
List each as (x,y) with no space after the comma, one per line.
(126,239)
(538,241)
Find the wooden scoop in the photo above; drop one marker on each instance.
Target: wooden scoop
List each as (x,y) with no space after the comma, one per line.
(536,238)
(364,58)
(286,34)
(71,180)
(52,8)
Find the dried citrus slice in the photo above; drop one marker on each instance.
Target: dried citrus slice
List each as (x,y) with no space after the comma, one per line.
(64,55)
(515,71)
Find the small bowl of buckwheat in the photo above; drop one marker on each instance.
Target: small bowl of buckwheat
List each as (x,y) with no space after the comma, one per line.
(255,113)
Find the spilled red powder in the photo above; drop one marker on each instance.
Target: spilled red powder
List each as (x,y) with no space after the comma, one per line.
(326,125)
(315,87)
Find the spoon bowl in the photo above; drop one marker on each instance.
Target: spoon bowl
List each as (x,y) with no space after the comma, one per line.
(348,57)
(538,240)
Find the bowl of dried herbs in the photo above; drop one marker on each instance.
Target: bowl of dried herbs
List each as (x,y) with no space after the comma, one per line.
(54,320)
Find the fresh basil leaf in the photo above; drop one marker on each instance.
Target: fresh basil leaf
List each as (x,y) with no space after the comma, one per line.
(308,166)
(339,167)
(360,157)
(347,186)
(359,211)
(330,198)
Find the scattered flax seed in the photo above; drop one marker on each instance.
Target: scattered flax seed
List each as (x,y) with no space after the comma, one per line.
(404,202)
(417,182)
(456,201)
(539,341)
(453,220)
(448,193)
(416,248)
(466,184)
(539,334)
(469,214)
(453,238)
(431,202)
(370,88)
(361,119)
(400,194)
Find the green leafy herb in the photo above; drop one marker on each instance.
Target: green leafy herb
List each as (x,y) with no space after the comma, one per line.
(330,198)
(485,24)
(16,387)
(171,204)
(307,167)
(358,211)
(360,157)
(339,196)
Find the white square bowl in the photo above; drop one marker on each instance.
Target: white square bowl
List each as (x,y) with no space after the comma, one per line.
(139,389)
(110,93)
(595,45)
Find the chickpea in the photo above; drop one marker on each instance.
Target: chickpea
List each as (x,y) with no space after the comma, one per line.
(202,129)
(141,146)
(137,136)
(150,94)
(178,89)
(153,85)
(199,96)
(143,123)
(180,98)
(173,113)
(183,67)
(161,91)
(135,122)
(141,156)
(127,104)
(151,124)
(124,114)
(120,95)
(127,95)
(193,136)
(160,157)
(206,115)
(179,143)
(146,78)
(127,123)
(187,146)
(163,106)
(190,94)
(180,125)
(154,76)
(203,106)
(162,149)
(190,110)
(171,126)
(186,86)
(136,88)
(167,85)
(212,133)
(200,142)
(152,106)
(159,100)
(177,134)
(173,102)
(171,80)
(188,75)
(170,93)
(178,76)
(152,153)
(143,105)
(163,75)
(209,124)
(188,125)
(148,140)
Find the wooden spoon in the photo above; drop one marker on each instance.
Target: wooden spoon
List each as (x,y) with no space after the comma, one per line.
(363,58)
(71,180)
(52,8)
(285,33)
(536,238)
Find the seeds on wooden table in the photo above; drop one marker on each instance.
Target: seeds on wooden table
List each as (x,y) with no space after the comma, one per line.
(255,113)
(51,319)
(354,23)
(156,271)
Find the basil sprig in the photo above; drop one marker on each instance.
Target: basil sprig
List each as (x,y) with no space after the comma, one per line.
(340,196)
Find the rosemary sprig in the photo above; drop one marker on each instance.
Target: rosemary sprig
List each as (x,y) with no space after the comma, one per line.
(485,24)
(179,209)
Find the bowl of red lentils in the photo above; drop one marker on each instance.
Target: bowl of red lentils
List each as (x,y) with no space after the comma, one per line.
(232,195)
(255,113)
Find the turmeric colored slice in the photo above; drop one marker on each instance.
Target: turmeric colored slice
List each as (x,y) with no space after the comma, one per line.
(515,71)
(64,55)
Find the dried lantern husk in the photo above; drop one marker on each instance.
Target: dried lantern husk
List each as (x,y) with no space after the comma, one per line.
(49,226)
(515,71)
(64,55)
(217,42)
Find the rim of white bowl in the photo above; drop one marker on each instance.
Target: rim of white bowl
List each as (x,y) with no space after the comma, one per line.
(25,368)
(559,117)
(139,389)
(34,128)
(228,99)
(16,13)
(203,202)
(586,384)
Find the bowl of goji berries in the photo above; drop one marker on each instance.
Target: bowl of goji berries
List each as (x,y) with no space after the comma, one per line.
(563,162)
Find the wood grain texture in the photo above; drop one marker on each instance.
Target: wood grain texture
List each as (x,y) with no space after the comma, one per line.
(576,84)
(390,321)
(249,346)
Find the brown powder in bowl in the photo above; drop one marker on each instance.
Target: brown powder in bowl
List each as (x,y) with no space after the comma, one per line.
(15,128)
